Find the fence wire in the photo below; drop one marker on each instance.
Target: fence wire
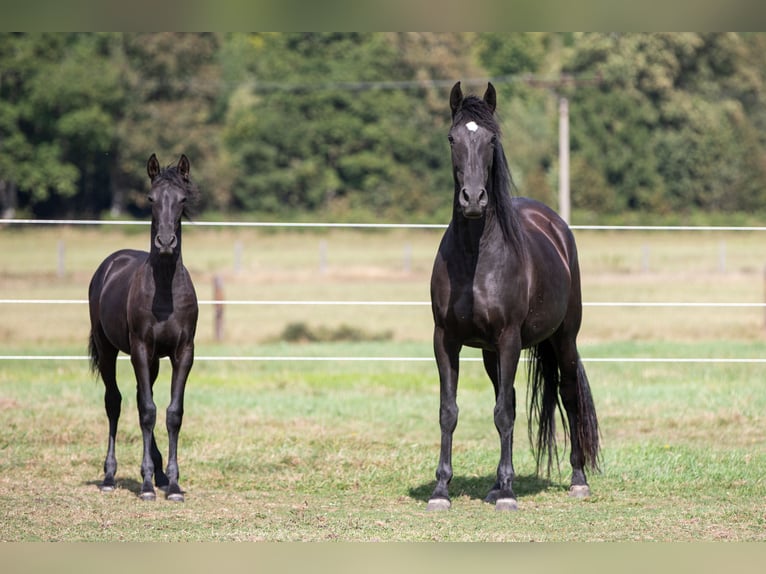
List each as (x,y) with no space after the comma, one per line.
(255,224)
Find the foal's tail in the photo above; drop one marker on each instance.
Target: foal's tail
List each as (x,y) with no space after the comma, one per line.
(544,379)
(93,352)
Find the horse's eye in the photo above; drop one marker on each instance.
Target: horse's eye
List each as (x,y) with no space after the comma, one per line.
(150,199)
(451,139)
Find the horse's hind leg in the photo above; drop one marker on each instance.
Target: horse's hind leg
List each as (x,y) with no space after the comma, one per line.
(581,415)
(107,363)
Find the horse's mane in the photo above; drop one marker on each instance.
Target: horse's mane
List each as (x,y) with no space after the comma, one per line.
(476,109)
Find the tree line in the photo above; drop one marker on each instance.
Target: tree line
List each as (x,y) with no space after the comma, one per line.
(353,125)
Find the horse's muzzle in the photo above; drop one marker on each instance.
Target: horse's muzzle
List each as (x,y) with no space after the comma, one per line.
(166,243)
(473,202)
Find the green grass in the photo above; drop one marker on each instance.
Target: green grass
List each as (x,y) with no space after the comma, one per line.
(347,451)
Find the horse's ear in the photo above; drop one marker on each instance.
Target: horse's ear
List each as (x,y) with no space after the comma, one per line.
(455,98)
(183,166)
(490,97)
(153,167)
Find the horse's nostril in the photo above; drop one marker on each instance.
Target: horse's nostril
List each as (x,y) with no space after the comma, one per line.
(165,242)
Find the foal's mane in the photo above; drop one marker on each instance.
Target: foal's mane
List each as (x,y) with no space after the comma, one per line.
(171,176)
(476,109)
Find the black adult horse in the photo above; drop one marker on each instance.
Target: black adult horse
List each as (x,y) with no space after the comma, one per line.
(144,304)
(506,277)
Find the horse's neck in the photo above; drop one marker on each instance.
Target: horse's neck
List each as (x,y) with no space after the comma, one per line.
(165,267)
(164,271)
(474,234)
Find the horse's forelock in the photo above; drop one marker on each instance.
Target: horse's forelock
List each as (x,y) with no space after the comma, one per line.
(172,176)
(473,108)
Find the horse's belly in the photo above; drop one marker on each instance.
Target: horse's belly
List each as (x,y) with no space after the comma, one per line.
(542,321)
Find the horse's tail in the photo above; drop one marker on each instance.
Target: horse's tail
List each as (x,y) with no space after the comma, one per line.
(587,427)
(544,399)
(543,377)
(93,352)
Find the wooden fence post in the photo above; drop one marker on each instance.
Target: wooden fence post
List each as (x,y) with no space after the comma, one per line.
(218,307)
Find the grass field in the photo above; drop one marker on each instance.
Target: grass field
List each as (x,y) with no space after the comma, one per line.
(346,451)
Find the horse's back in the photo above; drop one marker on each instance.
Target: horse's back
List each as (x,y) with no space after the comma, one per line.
(544,226)
(552,254)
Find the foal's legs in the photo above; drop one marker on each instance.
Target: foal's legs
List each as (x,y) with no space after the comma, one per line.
(160,478)
(147,414)
(447,354)
(107,363)
(182,364)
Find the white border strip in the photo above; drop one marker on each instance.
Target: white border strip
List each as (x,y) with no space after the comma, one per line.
(703,360)
(371,225)
(401,303)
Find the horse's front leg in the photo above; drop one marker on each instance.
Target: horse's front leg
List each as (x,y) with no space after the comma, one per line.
(147,414)
(160,480)
(509,350)
(182,364)
(447,361)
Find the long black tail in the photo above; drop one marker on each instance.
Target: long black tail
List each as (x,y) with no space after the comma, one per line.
(544,400)
(587,429)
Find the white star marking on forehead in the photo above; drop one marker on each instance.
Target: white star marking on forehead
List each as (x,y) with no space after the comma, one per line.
(472,126)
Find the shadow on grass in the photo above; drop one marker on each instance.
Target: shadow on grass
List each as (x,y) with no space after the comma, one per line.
(477,487)
(129,484)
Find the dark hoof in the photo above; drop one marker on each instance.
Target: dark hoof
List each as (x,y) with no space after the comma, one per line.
(149,495)
(106,487)
(579,491)
(504,504)
(438,504)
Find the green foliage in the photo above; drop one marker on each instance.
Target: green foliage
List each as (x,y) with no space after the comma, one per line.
(317,134)
(667,127)
(287,125)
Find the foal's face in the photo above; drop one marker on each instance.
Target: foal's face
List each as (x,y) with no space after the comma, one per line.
(168,201)
(472,153)
(167,208)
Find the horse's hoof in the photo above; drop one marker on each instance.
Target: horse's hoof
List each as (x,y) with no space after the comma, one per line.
(438,504)
(148,495)
(106,487)
(504,504)
(579,491)
(176,497)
